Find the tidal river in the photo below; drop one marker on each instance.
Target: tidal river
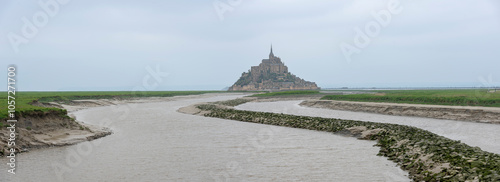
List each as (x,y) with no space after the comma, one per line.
(153,142)
(485,136)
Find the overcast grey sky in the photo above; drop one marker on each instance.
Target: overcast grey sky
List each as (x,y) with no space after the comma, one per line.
(109,45)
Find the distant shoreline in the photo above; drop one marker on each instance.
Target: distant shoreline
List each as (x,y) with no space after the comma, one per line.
(459,113)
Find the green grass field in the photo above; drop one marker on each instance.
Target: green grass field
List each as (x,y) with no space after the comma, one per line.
(439,97)
(287,93)
(467,97)
(23,99)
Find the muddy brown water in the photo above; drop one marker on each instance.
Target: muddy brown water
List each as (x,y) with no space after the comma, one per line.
(153,142)
(483,135)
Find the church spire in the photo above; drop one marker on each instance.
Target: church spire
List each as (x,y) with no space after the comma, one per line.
(271,54)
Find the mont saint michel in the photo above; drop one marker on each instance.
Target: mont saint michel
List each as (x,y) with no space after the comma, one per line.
(228,90)
(271,74)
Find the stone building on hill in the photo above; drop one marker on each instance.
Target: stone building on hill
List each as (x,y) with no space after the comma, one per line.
(271,74)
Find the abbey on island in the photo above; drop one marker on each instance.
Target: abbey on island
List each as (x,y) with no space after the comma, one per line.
(271,74)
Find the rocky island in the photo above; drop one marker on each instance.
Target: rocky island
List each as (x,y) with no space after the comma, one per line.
(271,75)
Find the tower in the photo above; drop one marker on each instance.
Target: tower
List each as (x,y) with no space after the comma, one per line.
(271,55)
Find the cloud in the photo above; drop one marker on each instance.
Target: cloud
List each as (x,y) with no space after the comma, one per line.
(200,49)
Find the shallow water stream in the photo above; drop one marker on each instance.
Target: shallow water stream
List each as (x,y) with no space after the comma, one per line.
(483,135)
(153,142)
